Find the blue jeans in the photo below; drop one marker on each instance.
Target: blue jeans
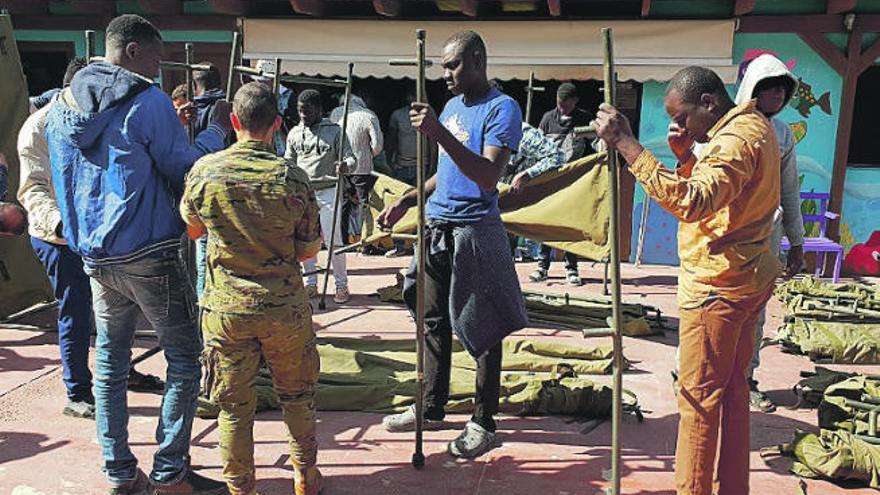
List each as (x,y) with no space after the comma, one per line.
(158,287)
(74,296)
(201,264)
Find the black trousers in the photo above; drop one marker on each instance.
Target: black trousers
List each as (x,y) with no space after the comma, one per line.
(357,187)
(438,347)
(571,260)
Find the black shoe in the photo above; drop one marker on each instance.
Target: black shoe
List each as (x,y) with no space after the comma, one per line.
(139,382)
(192,484)
(138,486)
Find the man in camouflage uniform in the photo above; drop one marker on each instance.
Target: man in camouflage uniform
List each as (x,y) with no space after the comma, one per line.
(261,217)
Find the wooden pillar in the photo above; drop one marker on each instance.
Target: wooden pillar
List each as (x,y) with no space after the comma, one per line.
(844,128)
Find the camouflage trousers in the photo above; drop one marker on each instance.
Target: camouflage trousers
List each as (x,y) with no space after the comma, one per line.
(234,345)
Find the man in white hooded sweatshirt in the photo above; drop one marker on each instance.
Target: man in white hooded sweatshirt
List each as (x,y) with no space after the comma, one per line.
(769,81)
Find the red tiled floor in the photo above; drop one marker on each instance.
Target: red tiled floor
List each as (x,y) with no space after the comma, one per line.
(43,452)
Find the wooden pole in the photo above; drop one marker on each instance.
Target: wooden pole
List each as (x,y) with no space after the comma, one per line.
(610,84)
(322,304)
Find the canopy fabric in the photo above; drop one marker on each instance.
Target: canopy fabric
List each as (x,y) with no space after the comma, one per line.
(539,377)
(565,209)
(563,49)
(22,280)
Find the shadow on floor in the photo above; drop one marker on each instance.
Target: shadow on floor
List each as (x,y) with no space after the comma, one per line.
(15,445)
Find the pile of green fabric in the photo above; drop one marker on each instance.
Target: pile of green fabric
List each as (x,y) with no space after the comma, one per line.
(583,311)
(568,311)
(538,378)
(846,447)
(832,323)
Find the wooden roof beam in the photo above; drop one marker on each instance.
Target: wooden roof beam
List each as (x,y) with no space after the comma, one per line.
(841,6)
(22,7)
(231,7)
(388,8)
(646,8)
(825,49)
(317,8)
(94,7)
(161,7)
(743,7)
(469,8)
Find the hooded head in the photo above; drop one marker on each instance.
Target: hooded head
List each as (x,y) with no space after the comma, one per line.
(768,80)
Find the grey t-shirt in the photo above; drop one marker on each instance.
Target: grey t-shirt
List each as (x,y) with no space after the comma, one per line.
(400,125)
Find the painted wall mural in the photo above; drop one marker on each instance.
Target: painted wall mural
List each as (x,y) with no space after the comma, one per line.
(812,115)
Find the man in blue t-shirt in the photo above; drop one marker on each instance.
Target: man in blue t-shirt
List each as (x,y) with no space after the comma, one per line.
(471,287)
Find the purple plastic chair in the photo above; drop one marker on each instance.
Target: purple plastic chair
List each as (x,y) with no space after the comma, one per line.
(822,244)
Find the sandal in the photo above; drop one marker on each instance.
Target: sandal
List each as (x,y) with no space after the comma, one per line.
(139,382)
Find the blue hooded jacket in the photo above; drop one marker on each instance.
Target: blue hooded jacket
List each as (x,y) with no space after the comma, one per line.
(119,157)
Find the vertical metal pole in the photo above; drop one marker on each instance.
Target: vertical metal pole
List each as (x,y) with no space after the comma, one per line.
(276,81)
(610,78)
(418,457)
(322,304)
(189,58)
(90,45)
(530,90)
(643,227)
(233,61)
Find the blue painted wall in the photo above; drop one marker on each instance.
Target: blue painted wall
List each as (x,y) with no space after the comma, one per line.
(815,150)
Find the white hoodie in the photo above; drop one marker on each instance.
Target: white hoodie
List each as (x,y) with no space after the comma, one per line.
(765,67)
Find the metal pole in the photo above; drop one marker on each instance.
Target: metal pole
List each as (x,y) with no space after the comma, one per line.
(643,227)
(188,57)
(233,61)
(418,457)
(322,304)
(90,45)
(276,79)
(531,89)
(610,78)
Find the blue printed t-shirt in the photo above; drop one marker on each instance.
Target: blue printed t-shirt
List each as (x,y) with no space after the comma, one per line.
(493,120)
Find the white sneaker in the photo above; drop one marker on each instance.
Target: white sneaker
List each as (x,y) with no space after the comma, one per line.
(473,442)
(342,295)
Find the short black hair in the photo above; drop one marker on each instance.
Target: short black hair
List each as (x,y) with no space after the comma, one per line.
(255,106)
(178,92)
(694,81)
(13,228)
(130,28)
(310,97)
(468,41)
(73,67)
(207,79)
(771,82)
(566,91)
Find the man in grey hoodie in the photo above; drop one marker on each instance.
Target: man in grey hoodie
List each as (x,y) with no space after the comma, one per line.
(769,81)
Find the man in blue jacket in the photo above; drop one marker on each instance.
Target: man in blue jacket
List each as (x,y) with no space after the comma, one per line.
(119,157)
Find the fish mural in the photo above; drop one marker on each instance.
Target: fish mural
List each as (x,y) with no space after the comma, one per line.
(804,100)
(799,129)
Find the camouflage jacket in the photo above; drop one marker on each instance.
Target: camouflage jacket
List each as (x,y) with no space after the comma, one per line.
(260,214)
